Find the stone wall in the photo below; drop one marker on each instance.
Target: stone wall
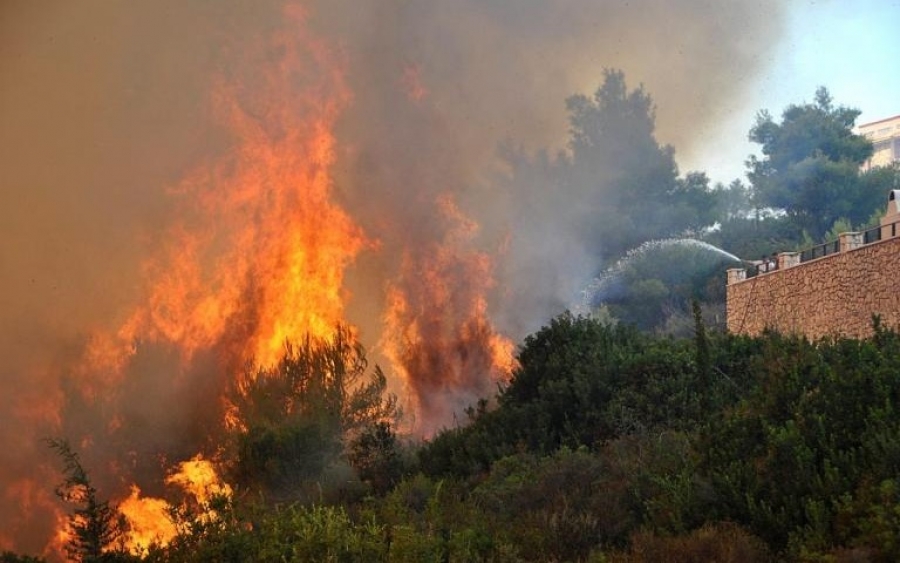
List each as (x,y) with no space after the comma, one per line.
(833,295)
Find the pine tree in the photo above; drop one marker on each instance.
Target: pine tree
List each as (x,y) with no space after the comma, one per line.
(96,526)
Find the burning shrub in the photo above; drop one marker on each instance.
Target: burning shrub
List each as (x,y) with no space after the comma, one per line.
(296,419)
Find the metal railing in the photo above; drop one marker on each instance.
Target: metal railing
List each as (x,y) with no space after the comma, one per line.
(874,234)
(820,250)
(868,236)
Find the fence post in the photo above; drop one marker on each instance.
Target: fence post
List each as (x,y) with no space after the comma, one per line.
(888,226)
(849,241)
(735,275)
(788,259)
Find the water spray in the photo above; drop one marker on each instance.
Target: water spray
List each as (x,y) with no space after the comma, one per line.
(609,283)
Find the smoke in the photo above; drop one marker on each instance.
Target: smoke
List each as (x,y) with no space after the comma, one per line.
(487,73)
(105,109)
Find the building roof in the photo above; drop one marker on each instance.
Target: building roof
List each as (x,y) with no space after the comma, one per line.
(879,121)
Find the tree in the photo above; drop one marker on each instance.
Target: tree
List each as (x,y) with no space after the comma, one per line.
(627,190)
(614,188)
(628,182)
(733,201)
(375,455)
(811,165)
(579,382)
(300,416)
(96,526)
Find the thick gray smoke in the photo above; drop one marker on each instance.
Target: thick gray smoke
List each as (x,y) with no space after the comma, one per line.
(498,71)
(104,106)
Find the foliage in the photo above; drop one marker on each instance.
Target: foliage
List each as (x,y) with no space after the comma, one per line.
(635,193)
(785,437)
(610,444)
(733,201)
(430,520)
(294,533)
(643,302)
(10,557)
(210,531)
(557,507)
(614,188)
(818,424)
(758,235)
(840,226)
(654,285)
(810,165)
(300,417)
(565,506)
(723,543)
(376,456)
(701,348)
(626,189)
(96,528)
(579,383)
(807,187)
(320,533)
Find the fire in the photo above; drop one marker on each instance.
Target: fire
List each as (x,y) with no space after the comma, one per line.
(503,354)
(254,255)
(258,250)
(150,520)
(61,537)
(34,499)
(438,334)
(198,477)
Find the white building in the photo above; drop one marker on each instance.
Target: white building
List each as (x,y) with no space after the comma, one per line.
(885,137)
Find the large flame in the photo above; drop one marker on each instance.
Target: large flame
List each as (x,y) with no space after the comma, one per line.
(150,519)
(255,254)
(438,333)
(149,522)
(258,250)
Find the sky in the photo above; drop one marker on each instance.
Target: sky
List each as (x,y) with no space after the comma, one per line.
(851,48)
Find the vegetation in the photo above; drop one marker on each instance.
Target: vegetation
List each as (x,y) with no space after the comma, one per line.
(95,527)
(811,165)
(628,175)
(616,188)
(608,444)
(314,418)
(613,189)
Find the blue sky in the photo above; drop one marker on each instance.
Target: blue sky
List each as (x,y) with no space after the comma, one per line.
(852,48)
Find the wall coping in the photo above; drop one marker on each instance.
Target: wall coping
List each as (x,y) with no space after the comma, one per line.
(847,242)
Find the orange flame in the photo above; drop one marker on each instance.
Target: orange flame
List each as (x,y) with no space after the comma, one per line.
(61,538)
(198,477)
(438,334)
(149,519)
(258,251)
(36,503)
(149,522)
